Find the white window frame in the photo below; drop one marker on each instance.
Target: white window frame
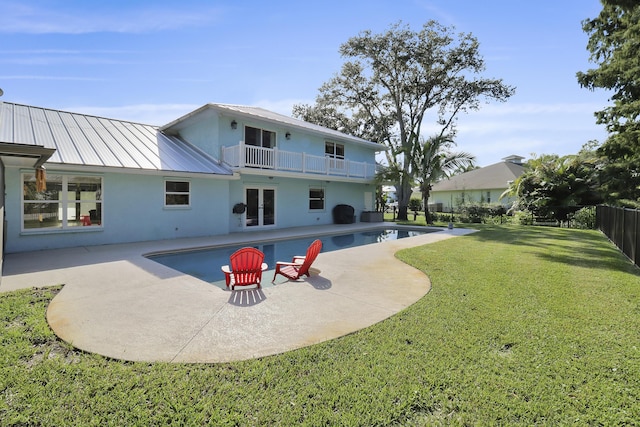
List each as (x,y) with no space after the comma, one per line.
(64,205)
(323,198)
(336,161)
(334,150)
(261,133)
(260,203)
(176,193)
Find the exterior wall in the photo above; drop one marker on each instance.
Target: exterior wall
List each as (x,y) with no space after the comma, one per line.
(133,210)
(445,197)
(133,203)
(292,200)
(206,131)
(315,145)
(210,132)
(2,218)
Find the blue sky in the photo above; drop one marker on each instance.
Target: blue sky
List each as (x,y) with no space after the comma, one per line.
(152,61)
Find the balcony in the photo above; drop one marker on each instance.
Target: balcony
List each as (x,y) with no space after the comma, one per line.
(249,156)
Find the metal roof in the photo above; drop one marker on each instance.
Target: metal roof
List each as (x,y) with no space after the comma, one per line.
(270,116)
(100,142)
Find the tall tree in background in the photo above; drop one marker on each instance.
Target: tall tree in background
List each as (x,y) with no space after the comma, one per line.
(433,161)
(614,43)
(395,82)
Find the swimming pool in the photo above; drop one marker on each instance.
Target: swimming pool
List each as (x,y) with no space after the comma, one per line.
(205,263)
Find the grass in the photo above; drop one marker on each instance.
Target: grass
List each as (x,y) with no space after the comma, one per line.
(523,326)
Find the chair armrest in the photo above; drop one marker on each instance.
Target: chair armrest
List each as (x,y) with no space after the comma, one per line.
(264,266)
(299,258)
(293,264)
(226,269)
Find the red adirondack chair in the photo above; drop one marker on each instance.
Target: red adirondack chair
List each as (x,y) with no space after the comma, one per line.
(299,266)
(245,268)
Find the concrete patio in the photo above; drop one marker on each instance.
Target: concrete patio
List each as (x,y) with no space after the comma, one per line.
(117,303)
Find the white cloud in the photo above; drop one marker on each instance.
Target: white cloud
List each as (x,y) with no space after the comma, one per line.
(511,108)
(282,106)
(152,114)
(499,130)
(76,19)
(65,78)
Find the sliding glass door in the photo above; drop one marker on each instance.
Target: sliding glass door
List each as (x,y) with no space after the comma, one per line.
(261,206)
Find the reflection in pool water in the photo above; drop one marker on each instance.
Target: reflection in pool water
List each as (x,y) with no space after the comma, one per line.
(205,263)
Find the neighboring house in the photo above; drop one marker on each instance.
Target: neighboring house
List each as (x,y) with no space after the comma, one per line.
(217,170)
(479,185)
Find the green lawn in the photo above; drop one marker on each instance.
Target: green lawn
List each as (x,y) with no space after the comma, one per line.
(523,326)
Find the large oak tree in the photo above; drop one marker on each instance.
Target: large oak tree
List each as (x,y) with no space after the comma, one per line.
(614,43)
(394,84)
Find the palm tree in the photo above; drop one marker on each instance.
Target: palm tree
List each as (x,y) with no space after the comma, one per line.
(433,161)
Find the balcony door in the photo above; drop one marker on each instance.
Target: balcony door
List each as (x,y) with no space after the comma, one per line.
(261,206)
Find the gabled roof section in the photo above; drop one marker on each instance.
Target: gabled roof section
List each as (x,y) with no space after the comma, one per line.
(84,140)
(279,119)
(496,176)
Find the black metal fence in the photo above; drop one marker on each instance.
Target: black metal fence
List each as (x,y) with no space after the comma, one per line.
(622,227)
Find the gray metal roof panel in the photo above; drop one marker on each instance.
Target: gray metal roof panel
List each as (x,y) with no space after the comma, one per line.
(140,155)
(6,124)
(101,149)
(62,142)
(22,131)
(122,156)
(79,139)
(95,141)
(41,129)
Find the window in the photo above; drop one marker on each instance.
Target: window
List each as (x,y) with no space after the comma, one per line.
(316,198)
(259,137)
(333,150)
(335,153)
(69,201)
(488,196)
(177,193)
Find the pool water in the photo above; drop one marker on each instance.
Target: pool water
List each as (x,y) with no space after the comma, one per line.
(205,263)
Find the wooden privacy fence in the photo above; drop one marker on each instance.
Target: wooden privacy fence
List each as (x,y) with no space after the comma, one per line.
(622,227)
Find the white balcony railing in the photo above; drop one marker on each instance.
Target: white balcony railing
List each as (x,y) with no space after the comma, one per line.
(241,156)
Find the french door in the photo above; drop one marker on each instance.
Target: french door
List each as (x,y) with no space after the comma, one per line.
(261,206)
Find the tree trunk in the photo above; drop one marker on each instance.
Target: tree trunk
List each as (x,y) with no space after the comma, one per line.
(427,214)
(403,194)
(402,212)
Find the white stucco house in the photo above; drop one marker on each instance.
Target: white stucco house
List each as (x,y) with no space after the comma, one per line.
(217,170)
(479,185)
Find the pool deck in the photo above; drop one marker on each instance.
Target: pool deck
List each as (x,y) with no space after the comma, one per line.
(117,303)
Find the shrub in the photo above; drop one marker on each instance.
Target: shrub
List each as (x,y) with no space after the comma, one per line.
(480,212)
(415,204)
(444,217)
(522,218)
(585,218)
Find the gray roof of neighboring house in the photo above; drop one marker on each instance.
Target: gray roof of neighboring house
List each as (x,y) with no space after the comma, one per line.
(496,176)
(100,142)
(280,119)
